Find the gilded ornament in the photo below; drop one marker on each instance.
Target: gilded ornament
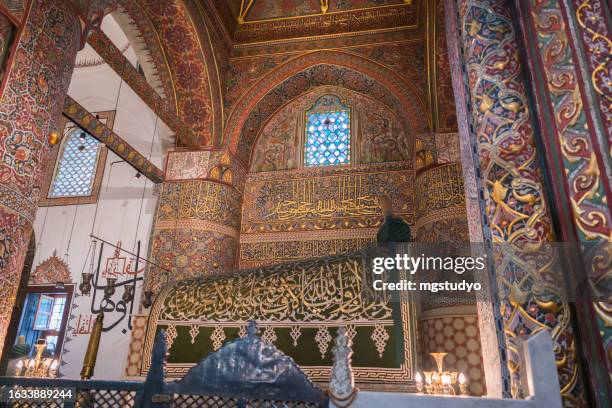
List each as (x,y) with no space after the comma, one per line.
(486,104)
(54,138)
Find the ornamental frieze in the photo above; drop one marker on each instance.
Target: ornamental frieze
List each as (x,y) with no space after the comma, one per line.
(439,188)
(199,200)
(330,199)
(390,17)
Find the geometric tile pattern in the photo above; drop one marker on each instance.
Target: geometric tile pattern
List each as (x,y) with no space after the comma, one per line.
(328,138)
(77,166)
(139,325)
(460,338)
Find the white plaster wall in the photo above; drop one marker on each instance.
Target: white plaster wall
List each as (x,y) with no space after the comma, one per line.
(124,211)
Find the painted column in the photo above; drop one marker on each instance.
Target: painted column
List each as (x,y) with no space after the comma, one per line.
(447,321)
(515,208)
(34,87)
(197,224)
(577,129)
(440,195)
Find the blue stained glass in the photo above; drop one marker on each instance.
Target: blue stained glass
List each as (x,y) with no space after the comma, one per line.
(76,169)
(327,138)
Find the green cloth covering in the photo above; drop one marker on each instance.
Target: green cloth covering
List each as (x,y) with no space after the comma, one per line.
(394,229)
(20,350)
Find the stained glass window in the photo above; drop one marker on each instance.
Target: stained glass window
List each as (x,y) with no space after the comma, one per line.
(328,133)
(76,169)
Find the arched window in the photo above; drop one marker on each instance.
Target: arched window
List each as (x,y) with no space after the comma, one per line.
(328,133)
(76,168)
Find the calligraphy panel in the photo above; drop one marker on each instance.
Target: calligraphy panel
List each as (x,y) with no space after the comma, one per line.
(394,16)
(299,214)
(299,307)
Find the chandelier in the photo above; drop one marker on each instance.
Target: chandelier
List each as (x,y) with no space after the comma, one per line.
(37,366)
(440,381)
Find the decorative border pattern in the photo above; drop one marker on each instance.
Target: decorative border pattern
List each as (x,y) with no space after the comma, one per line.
(515,204)
(133,15)
(386,17)
(595,30)
(185,57)
(391,86)
(120,64)
(202,225)
(75,112)
(586,182)
(17,202)
(257,254)
(364,233)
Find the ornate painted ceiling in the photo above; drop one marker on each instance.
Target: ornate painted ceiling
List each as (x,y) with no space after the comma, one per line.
(207,54)
(269,20)
(253,10)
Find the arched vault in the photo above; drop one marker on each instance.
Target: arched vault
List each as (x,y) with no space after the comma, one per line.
(312,70)
(190,60)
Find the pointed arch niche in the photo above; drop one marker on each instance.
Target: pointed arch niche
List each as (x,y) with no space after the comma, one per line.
(292,211)
(375,133)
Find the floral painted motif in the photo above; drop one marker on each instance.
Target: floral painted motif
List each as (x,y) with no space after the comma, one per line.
(264,9)
(188,66)
(51,271)
(445,98)
(265,98)
(379,135)
(585,177)
(21,153)
(29,110)
(594,22)
(516,207)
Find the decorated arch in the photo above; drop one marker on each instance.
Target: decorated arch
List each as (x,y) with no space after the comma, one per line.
(317,69)
(142,36)
(375,132)
(191,63)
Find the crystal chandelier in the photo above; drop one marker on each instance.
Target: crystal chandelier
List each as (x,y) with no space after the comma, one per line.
(37,366)
(440,381)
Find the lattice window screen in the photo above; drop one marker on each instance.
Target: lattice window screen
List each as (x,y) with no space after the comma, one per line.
(76,169)
(328,133)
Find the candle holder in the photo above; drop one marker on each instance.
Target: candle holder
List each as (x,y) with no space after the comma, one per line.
(147,301)
(440,382)
(128,293)
(37,366)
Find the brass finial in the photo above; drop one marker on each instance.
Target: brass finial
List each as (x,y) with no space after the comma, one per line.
(89,362)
